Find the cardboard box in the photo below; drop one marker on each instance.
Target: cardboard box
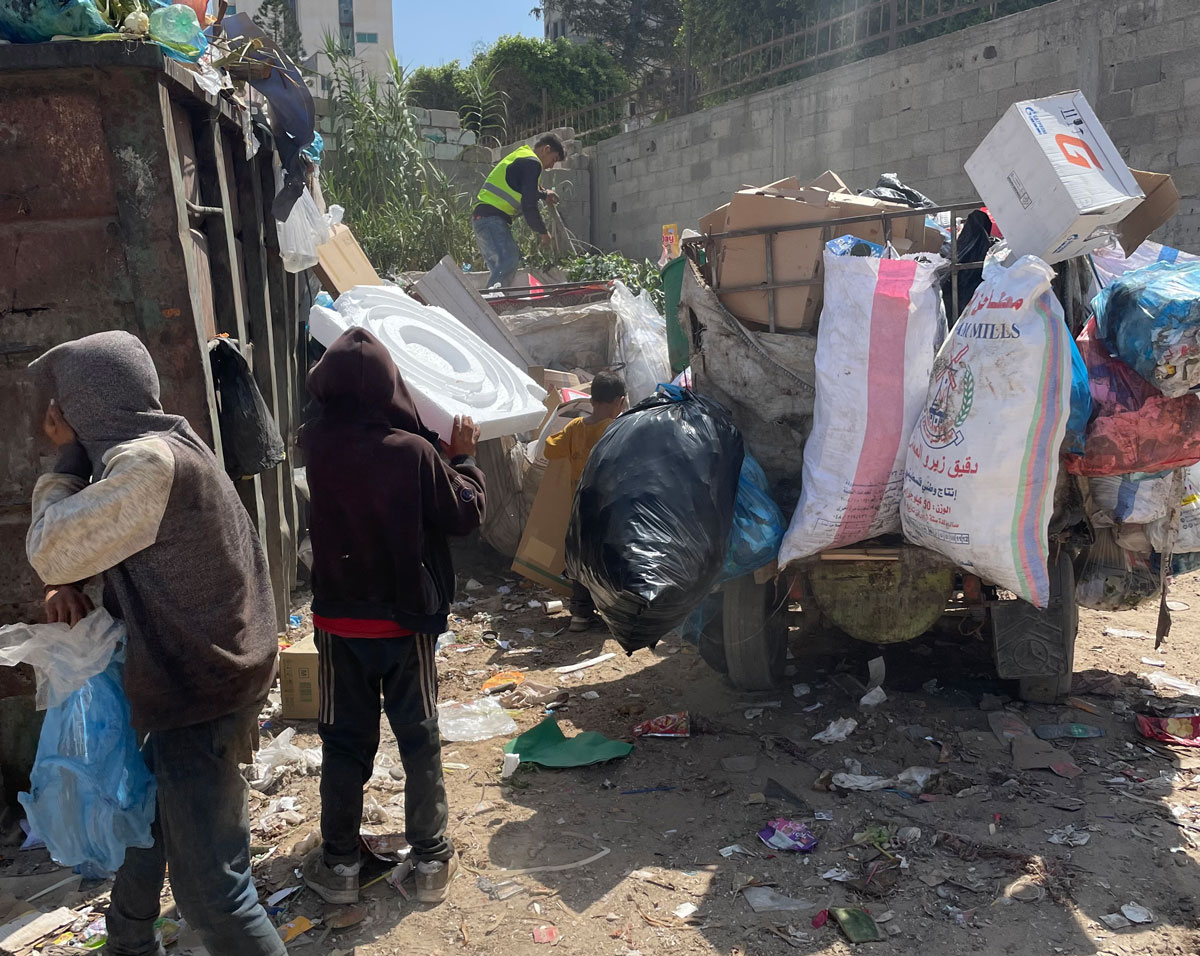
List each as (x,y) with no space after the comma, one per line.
(797,254)
(1160,205)
(542,554)
(1052,178)
(298,670)
(341,263)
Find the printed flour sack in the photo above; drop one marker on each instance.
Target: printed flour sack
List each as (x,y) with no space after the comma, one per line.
(881,325)
(983,459)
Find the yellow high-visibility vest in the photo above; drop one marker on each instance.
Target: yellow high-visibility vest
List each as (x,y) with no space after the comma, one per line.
(496,190)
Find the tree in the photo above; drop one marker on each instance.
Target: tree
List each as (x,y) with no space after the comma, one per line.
(277,18)
(640,33)
(437,87)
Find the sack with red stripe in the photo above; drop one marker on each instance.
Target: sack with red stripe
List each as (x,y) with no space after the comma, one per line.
(984,457)
(881,325)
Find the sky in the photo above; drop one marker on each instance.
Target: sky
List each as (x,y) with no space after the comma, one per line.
(432,32)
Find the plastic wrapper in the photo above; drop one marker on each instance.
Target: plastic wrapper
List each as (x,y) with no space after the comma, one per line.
(650,527)
(1135,427)
(91,795)
(639,343)
(1181,731)
(300,234)
(1111,262)
(474,720)
(758,524)
(1187,541)
(668,725)
(63,658)
(1113,578)
(250,439)
(1150,318)
(853,246)
(1123,499)
(790,835)
(35,21)
(881,325)
(280,756)
(892,189)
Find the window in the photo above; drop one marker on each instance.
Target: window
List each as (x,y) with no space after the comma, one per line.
(366,37)
(231,9)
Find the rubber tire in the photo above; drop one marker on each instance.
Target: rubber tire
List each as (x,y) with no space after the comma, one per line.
(1052,688)
(755,634)
(712,641)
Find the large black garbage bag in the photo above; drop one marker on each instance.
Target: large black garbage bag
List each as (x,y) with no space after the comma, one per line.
(250,438)
(974,241)
(891,189)
(652,516)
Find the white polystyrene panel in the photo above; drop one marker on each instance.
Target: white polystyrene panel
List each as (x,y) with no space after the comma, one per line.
(448,368)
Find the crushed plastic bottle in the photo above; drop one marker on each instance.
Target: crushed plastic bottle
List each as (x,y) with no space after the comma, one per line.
(176,23)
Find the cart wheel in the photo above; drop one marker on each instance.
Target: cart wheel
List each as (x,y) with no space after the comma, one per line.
(1037,647)
(712,639)
(755,634)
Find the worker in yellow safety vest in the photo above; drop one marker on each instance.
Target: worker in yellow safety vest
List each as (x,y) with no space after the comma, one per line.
(511,186)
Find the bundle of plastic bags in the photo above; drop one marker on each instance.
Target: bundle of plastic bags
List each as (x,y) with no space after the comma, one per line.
(1111,262)
(881,325)
(983,459)
(91,795)
(638,342)
(1150,318)
(1135,427)
(650,526)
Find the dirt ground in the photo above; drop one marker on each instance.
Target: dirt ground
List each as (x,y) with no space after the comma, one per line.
(973,872)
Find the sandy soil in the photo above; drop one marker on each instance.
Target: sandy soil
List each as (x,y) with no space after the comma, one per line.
(983,834)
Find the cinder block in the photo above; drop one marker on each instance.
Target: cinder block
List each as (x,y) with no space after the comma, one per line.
(1167,95)
(983,107)
(1039,66)
(882,130)
(1143,72)
(1115,106)
(997,77)
(421,114)
(447,119)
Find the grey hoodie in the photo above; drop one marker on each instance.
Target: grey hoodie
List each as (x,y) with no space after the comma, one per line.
(163,524)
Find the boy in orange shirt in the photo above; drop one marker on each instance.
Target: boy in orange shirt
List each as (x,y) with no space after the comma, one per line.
(575,443)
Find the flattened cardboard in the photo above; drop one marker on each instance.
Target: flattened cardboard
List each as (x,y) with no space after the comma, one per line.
(299,689)
(341,263)
(542,554)
(1159,206)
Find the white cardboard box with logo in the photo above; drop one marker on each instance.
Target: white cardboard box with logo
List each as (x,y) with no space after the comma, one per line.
(1052,179)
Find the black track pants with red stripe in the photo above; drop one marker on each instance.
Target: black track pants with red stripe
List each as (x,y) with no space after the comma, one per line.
(357,675)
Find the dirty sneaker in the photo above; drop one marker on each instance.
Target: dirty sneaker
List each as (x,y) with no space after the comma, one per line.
(334,884)
(433,880)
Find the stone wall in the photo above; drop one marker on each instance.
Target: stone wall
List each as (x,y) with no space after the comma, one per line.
(920,111)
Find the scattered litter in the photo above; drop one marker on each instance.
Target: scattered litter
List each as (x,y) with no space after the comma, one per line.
(505,680)
(294,620)
(278,757)
(856,923)
(346,917)
(1153,662)
(297,927)
(474,720)
(913,780)
(811,707)
(473,585)
(509,767)
(1162,681)
(1115,921)
(388,847)
(1025,890)
(801,690)
(504,890)
(591,662)
(668,725)
(1074,731)
(559,867)
(1087,706)
(1136,914)
(740,764)
(1177,606)
(1132,635)
(873,698)
(826,815)
(684,910)
(729,851)
(546,746)
(276,898)
(752,712)
(1070,804)
(553,607)
(590,695)
(784,834)
(906,836)
(1069,836)
(934,878)
(545,934)
(837,731)
(763,899)
(839,874)
(1184,731)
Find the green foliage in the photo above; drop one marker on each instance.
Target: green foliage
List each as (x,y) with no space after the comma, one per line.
(436,87)
(278,20)
(485,108)
(404,211)
(613,265)
(640,33)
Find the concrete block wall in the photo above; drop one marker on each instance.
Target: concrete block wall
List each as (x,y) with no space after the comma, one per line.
(920,112)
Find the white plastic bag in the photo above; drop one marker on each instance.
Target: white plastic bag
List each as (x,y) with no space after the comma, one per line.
(984,457)
(299,236)
(277,757)
(1111,262)
(880,329)
(1188,539)
(474,720)
(639,346)
(63,658)
(1122,499)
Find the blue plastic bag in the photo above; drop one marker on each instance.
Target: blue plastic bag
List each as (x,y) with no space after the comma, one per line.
(91,793)
(754,541)
(35,21)
(1081,404)
(845,246)
(1150,318)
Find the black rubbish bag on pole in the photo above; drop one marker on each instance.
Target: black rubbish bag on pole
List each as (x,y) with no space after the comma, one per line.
(250,439)
(974,241)
(653,513)
(891,189)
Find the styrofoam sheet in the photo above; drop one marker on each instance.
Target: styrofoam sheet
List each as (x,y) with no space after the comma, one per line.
(448,368)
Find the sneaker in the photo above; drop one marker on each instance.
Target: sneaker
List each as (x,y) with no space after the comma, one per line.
(433,880)
(580,624)
(334,884)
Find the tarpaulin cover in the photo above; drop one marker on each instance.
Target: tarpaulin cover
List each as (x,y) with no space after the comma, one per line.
(652,517)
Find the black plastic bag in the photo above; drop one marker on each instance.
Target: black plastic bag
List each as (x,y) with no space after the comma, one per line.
(974,241)
(891,189)
(250,438)
(653,513)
